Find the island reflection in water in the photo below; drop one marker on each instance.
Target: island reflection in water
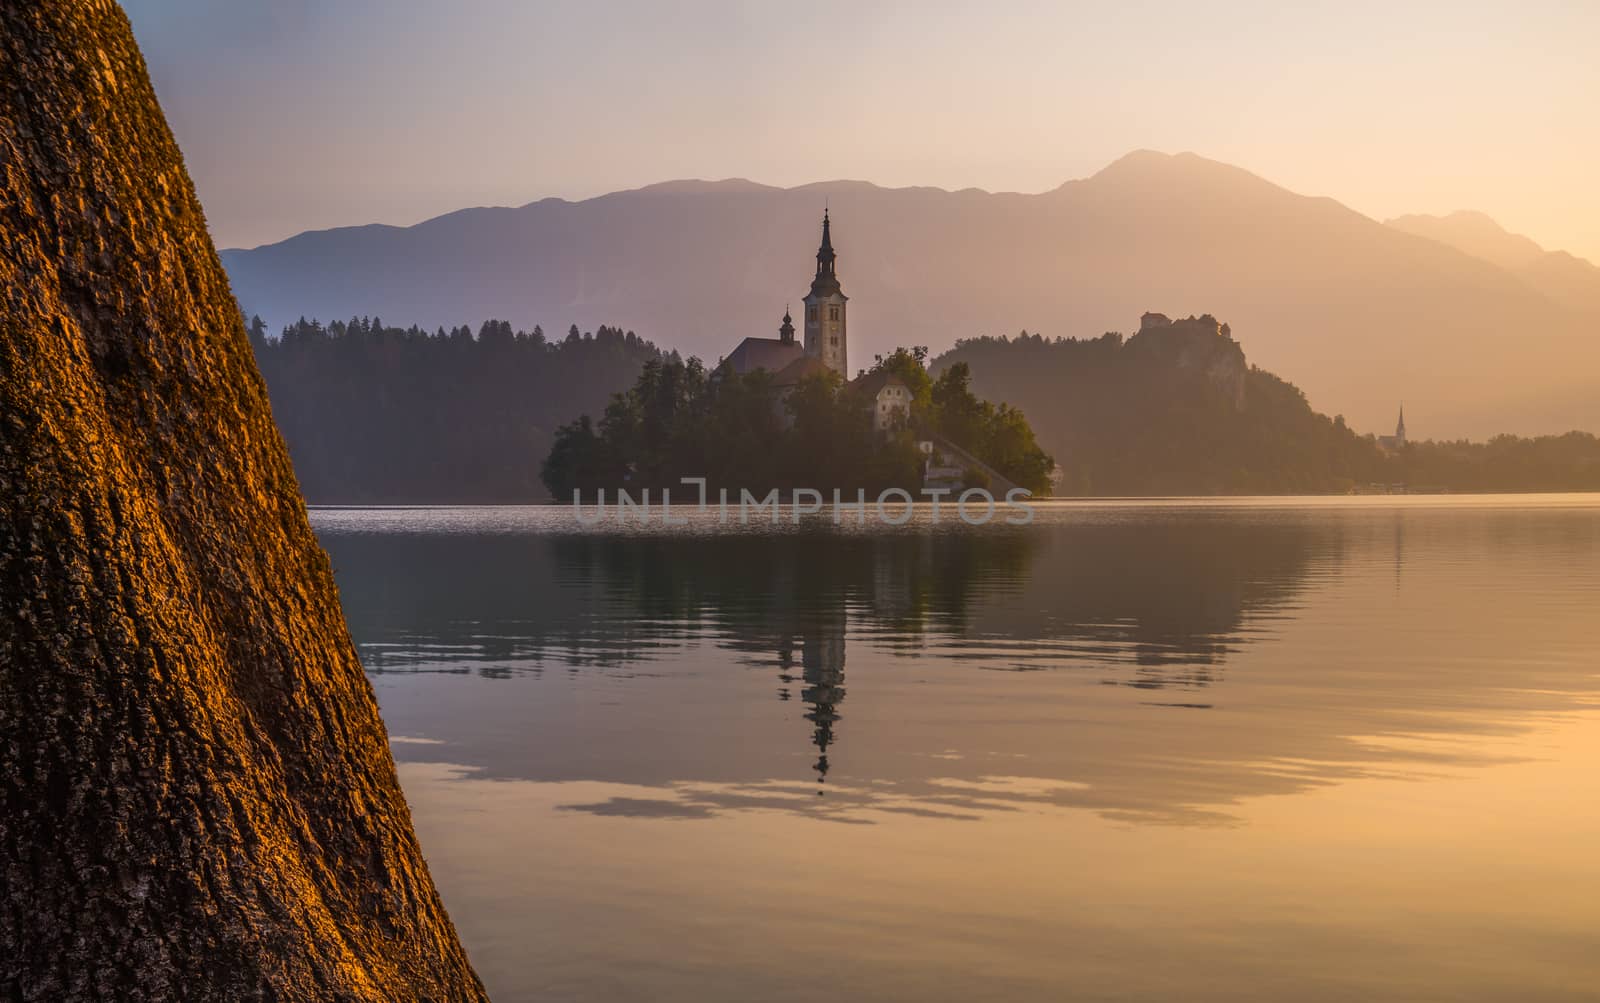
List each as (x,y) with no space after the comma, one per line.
(1023,691)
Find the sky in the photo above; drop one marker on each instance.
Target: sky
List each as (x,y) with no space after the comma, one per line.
(297,115)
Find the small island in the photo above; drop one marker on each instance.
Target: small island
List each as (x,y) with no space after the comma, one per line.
(778,413)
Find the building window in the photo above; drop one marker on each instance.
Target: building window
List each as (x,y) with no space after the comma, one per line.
(834,341)
(833,313)
(811,313)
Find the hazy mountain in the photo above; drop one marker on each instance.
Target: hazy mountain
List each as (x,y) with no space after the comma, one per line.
(1561,276)
(1359,314)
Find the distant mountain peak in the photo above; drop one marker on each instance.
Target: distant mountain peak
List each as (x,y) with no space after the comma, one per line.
(1565,278)
(1185,170)
(838,185)
(1142,161)
(701,185)
(1477,233)
(1475,217)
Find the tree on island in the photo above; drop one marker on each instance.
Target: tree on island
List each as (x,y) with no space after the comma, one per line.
(198,799)
(738,432)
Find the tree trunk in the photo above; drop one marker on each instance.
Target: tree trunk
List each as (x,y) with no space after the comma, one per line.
(197,799)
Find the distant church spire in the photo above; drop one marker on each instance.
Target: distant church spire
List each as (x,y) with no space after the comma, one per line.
(1400,429)
(786,331)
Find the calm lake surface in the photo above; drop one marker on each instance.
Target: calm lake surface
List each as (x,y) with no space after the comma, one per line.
(1312,749)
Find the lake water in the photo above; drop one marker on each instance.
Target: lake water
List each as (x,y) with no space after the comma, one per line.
(1320,749)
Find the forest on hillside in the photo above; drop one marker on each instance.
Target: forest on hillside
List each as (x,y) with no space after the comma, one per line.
(1131,416)
(375,414)
(1568,462)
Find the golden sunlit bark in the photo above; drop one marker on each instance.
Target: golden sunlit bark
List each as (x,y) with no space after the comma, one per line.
(197,798)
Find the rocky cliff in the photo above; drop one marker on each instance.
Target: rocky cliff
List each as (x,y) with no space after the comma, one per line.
(1200,349)
(197,799)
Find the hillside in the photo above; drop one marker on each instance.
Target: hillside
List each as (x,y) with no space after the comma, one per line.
(376,414)
(387,415)
(1173,409)
(1176,409)
(1362,314)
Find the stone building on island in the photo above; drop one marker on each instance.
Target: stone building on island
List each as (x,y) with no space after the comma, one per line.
(890,397)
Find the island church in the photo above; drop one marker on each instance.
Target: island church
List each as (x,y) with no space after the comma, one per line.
(826,345)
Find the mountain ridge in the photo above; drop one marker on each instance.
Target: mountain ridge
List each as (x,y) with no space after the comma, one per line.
(1561,275)
(1358,312)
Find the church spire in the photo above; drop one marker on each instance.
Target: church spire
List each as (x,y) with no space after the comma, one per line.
(1400,429)
(827,279)
(825,255)
(786,331)
(825,308)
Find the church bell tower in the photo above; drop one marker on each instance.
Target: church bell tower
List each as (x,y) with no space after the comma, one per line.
(825,310)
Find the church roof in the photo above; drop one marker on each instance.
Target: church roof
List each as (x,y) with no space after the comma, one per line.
(824,286)
(876,380)
(799,369)
(770,354)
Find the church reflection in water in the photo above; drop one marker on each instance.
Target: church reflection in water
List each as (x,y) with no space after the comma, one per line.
(1160,607)
(822,680)
(802,596)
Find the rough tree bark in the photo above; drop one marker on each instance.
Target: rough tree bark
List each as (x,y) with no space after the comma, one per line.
(197,799)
